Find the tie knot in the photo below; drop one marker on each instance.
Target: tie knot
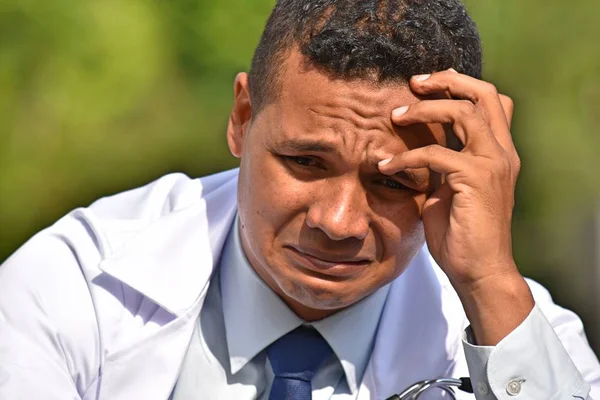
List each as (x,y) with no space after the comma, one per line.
(298,354)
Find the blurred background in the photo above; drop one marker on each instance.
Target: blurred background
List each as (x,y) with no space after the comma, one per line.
(100,96)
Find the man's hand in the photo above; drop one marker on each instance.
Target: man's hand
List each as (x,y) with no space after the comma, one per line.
(467,220)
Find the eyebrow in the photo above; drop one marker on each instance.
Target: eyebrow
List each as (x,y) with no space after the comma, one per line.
(319,146)
(307,145)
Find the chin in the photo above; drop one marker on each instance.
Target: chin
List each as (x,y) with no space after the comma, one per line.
(323,294)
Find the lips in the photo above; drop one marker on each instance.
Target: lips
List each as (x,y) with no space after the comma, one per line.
(328,264)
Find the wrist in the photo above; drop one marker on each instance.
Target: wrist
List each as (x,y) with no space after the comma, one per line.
(496,305)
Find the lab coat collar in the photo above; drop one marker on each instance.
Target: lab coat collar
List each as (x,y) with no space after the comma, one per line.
(171,261)
(247,303)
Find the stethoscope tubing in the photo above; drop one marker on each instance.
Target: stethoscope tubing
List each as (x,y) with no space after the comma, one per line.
(445,384)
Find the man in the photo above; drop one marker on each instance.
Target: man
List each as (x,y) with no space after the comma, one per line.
(364,244)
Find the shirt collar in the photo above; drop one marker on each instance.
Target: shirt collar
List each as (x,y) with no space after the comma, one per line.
(351,333)
(247,301)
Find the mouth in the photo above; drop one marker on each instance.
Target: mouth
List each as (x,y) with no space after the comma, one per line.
(327,264)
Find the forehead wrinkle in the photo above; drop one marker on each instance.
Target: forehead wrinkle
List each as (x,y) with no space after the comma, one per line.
(361,120)
(364,148)
(356,132)
(346,112)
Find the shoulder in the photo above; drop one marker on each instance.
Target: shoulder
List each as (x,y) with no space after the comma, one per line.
(565,322)
(114,219)
(85,236)
(47,286)
(168,194)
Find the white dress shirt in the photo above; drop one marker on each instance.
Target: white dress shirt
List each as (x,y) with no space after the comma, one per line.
(242,316)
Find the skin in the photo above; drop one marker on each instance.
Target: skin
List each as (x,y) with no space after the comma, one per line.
(341,182)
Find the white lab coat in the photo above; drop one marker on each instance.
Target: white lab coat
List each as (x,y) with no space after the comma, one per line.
(102,304)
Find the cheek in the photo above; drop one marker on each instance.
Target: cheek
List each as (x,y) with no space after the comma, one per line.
(401,230)
(272,200)
(277,194)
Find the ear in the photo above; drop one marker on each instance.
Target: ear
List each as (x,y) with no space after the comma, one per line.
(241,115)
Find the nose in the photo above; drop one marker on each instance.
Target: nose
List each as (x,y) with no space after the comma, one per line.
(341,210)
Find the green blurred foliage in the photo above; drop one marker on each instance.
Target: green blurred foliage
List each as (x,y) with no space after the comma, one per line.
(100,96)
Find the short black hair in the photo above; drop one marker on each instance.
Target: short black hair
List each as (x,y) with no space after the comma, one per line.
(376,40)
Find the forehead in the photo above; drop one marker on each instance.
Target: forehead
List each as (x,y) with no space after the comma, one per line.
(312,102)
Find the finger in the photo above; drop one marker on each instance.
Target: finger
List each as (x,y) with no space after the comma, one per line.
(508,106)
(434,157)
(467,122)
(437,208)
(457,85)
(482,94)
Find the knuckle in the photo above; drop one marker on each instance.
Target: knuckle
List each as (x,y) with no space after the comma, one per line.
(467,109)
(504,167)
(431,150)
(490,88)
(507,101)
(516,164)
(517,160)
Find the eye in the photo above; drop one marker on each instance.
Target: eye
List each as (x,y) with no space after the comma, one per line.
(302,161)
(392,184)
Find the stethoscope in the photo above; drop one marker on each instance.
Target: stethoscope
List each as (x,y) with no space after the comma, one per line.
(445,384)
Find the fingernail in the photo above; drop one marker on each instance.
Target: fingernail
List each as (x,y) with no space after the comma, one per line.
(452,70)
(398,112)
(421,78)
(385,162)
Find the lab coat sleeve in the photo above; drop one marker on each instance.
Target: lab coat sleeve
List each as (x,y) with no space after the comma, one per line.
(546,357)
(48,333)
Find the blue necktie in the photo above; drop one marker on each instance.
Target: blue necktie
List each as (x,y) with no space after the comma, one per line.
(295,358)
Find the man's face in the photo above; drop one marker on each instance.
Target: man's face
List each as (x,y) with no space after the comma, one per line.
(319,223)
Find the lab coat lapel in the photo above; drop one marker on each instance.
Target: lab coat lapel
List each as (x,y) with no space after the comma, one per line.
(419,335)
(169,263)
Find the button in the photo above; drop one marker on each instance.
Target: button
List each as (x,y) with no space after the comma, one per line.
(482,388)
(514,387)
